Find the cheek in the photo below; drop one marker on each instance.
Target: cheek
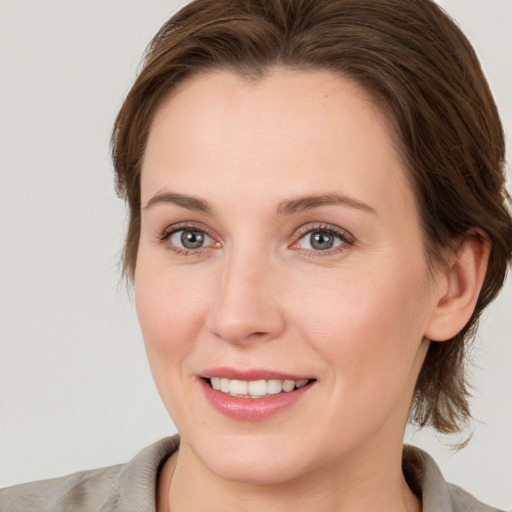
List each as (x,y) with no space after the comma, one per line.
(369,328)
(170,308)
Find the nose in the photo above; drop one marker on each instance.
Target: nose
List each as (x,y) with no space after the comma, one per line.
(246,307)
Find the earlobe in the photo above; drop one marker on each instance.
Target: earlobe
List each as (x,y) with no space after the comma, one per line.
(460,286)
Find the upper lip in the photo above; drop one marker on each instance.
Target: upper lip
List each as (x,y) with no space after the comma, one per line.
(250,375)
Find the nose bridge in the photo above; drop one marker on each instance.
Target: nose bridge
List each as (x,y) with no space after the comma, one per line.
(245,306)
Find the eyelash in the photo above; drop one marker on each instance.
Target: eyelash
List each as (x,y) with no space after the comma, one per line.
(167,233)
(344,236)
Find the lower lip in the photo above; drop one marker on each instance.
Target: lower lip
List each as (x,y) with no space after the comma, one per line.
(252,409)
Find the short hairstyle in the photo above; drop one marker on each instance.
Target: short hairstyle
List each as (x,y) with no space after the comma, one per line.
(418,65)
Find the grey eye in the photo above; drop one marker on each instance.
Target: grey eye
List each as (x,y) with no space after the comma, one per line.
(320,240)
(190,239)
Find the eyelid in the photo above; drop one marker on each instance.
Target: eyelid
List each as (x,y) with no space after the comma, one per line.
(165,235)
(345,236)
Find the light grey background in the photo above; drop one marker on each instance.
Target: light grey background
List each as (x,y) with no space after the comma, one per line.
(76,391)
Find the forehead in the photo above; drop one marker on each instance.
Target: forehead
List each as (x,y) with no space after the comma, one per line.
(304,130)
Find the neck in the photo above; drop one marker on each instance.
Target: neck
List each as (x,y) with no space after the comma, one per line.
(370,479)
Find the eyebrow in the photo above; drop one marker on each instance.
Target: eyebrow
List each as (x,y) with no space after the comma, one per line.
(188,202)
(309,202)
(287,207)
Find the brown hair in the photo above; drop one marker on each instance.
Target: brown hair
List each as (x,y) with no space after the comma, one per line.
(413,58)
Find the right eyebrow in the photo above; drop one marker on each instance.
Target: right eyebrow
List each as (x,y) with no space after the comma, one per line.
(188,202)
(315,201)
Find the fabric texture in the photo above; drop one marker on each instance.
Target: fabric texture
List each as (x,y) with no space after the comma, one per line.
(131,487)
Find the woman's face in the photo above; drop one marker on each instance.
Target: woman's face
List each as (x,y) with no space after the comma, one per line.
(280,242)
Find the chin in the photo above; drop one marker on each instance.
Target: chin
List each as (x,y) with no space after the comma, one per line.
(250,459)
(263,469)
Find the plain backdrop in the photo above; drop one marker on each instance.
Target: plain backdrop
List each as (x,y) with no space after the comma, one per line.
(76,391)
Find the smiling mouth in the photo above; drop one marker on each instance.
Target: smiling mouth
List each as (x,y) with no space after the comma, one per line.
(256,388)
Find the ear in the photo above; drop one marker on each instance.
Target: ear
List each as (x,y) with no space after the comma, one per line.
(459,286)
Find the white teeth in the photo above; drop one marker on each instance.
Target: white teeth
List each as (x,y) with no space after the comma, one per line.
(215,381)
(224,385)
(255,388)
(238,387)
(288,385)
(274,387)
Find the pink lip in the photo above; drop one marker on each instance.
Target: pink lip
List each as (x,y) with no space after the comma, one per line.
(251,409)
(255,374)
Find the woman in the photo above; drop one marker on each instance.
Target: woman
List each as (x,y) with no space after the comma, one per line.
(317,219)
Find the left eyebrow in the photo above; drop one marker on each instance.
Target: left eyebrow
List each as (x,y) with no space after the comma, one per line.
(309,202)
(188,202)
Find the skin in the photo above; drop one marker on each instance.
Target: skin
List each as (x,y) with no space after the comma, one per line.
(357,317)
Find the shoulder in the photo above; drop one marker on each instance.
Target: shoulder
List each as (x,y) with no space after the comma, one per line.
(425,479)
(126,487)
(80,491)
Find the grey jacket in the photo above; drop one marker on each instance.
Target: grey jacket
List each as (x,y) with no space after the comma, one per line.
(131,487)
